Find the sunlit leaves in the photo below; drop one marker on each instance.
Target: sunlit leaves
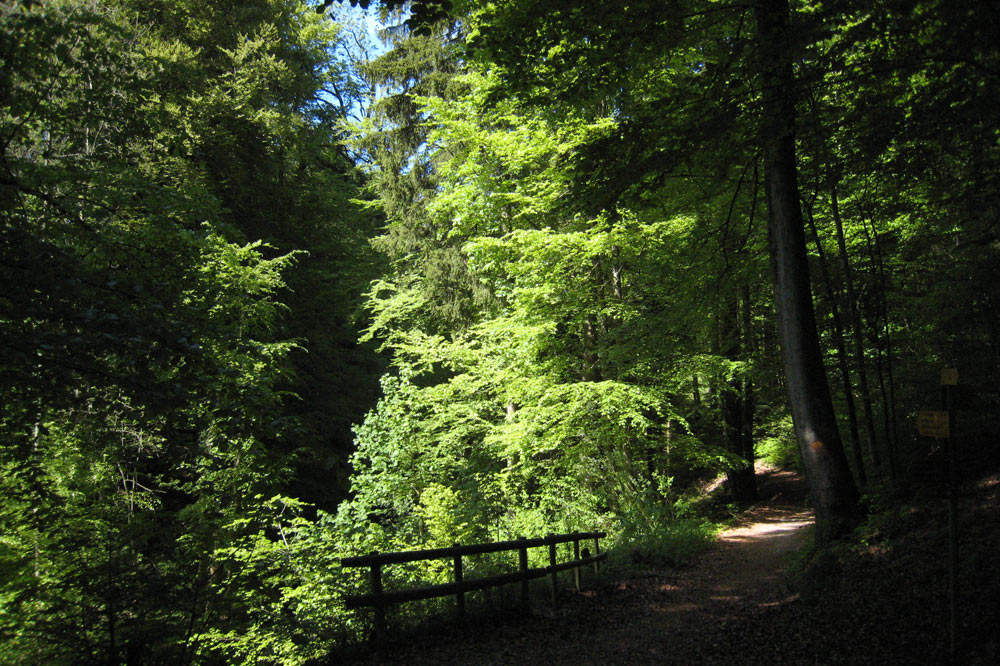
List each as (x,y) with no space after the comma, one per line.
(548,402)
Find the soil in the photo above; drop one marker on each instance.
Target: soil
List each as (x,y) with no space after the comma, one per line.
(884,605)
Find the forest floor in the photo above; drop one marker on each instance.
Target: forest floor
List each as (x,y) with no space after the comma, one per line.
(881,599)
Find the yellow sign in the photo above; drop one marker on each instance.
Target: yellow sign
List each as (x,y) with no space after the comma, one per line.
(949,376)
(933,424)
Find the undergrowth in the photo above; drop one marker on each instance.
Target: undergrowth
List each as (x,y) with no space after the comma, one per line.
(671,544)
(776,443)
(894,566)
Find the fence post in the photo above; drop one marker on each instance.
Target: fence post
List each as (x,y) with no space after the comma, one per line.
(380,625)
(552,567)
(460,595)
(576,569)
(522,557)
(379,600)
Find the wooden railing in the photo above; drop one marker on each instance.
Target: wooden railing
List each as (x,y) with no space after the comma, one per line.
(379,598)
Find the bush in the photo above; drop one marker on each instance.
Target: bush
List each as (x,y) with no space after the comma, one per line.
(776,443)
(671,544)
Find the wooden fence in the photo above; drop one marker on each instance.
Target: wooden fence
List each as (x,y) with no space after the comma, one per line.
(379,598)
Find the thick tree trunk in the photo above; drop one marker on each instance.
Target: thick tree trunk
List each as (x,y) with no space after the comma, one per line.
(834,494)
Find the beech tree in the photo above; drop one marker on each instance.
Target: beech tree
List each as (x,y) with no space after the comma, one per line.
(835,497)
(684,87)
(710,41)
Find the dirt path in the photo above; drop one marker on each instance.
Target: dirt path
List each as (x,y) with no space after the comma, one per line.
(659,616)
(750,559)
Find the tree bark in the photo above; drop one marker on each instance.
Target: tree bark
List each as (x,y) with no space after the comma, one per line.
(834,493)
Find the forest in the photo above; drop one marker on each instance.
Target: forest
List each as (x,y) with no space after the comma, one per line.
(288,281)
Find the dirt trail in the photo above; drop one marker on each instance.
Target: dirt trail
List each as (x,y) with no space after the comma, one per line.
(660,616)
(751,558)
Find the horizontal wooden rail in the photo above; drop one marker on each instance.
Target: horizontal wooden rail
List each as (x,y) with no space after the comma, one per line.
(471,585)
(473,549)
(379,599)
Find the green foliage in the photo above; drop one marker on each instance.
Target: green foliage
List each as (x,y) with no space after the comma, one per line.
(777,445)
(552,257)
(441,510)
(559,400)
(168,173)
(673,542)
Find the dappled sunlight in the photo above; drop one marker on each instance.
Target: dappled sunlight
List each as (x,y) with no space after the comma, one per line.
(682,608)
(764,530)
(746,568)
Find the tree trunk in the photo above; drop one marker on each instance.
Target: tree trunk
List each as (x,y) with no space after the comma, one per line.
(591,370)
(892,423)
(742,480)
(834,493)
(747,450)
(842,362)
(856,328)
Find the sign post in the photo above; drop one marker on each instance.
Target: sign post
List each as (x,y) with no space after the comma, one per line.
(949,379)
(940,424)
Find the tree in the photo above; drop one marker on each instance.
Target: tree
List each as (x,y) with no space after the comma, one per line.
(705,50)
(148,150)
(835,497)
(271,144)
(562,368)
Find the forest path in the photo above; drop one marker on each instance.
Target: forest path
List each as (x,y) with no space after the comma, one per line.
(657,616)
(750,558)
